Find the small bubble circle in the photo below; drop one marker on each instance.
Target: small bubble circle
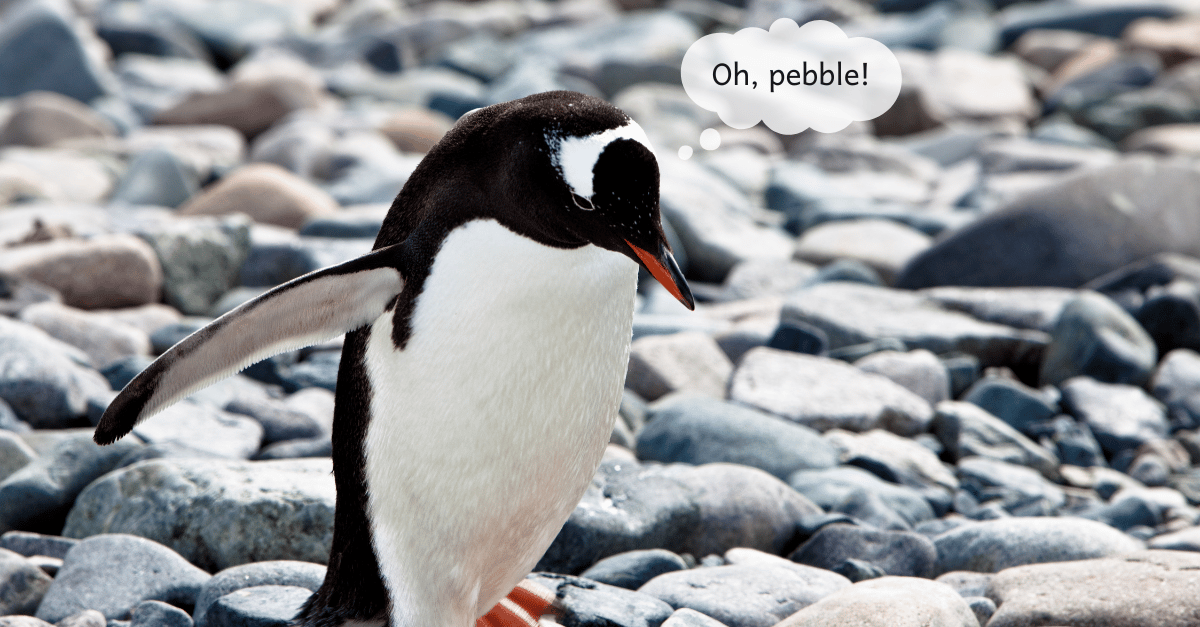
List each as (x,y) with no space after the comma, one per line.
(685,152)
(710,139)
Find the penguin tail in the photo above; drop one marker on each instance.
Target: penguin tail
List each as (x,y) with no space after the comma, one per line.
(527,603)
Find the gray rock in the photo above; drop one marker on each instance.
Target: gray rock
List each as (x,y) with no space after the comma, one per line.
(42,378)
(852,314)
(898,459)
(839,489)
(1019,490)
(695,430)
(22,584)
(766,277)
(588,603)
(823,394)
(169,335)
(1034,308)
(1096,338)
(1171,315)
(260,606)
(631,569)
(277,259)
(1182,540)
(661,364)
(201,259)
(227,434)
(157,177)
(279,422)
(30,544)
(686,617)
(758,594)
(101,272)
(888,602)
(15,454)
(966,583)
(966,429)
(86,618)
(858,570)
(1176,383)
(159,614)
(883,245)
(296,449)
(798,338)
(22,621)
(1020,406)
(113,573)
(269,573)
(1121,416)
(351,222)
(994,545)
(919,371)
(41,51)
(901,553)
(216,513)
(38,497)
(104,339)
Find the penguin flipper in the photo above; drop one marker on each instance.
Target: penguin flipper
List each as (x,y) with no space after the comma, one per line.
(312,308)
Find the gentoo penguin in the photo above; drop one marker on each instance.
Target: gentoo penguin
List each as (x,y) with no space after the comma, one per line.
(487,337)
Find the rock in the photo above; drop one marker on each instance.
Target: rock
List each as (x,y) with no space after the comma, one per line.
(277,257)
(279,422)
(966,583)
(1095,337)
(104,272)
(156,177)
(1176,383)
(888,602)
(41,118)
(216,513)
(416,130)
(260,606)
(1174,41)
(1035,308)
(15,454)
(159,614)
(994,545)
(363,221)
(201,259)
(919,371)
(855,314)
(695,430)
(797,337)
(897,459)
(837,489)
(114,573)
(271,573)
(31,544)
(758,594)
(295,449)
(42,51)
(590,604)
(1121,416)
(824,394)
(967,430)
(22,621)
(1019,490)
(227,434)
(1141,588)
(1171,316)
(631,569)
(858,570)
(1105,20)
(250,106)
(22,585)
(1020,406)
(1182,540)
(166,336)
(766,277)
(1165,139)
(87,618)
(38,496)
(267,193)
(662,364)
(884,245)
(685,617)
(102,338)
(1048,48)
(901,553)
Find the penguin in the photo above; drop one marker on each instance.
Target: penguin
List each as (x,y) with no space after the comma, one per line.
(486,341)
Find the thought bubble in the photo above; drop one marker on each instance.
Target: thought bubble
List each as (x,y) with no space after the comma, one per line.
(791,77)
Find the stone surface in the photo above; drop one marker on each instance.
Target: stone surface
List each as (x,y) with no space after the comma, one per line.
(415,130)
(1121,416)
(201,259)
(29,544)
(42,51)
(896,459)
(901,553)
(41,118)
(919,371)
(216,513)
(260,606)
(965,430)
(631,569)
(994,545)
(1176,383)
(1019,490)
(841,489)
(1018,405)
(22,584)
(228,434)
(248,106)
(1095,337)
(15,454)
(269,573)
(588,603)
(824,394)
(888,602)
(267,193)
(1023,308)
(103,339)
(884,245)
(104,272)
(661,364)
(113,573)
(159,614)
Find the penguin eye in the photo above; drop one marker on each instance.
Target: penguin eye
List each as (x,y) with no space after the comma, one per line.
(582,203)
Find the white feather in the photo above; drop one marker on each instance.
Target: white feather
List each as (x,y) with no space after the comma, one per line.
(575,157)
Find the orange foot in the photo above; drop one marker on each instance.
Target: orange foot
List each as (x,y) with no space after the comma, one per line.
(522,607)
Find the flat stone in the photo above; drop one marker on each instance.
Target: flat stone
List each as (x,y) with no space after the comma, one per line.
(823,394)
(1148,587)
(260,606)
(23,621)
(966,583)
(662,364)
(1018,405)
(919,371)
(216,513)
(248,106)
(156,177)
(1035,308)
(632,569)
(884,245)
(22,584)
(159,614)
(888,602)
(897,459)
(269,573)
(114,573)
(1176,384)
(103,272)
(1121,416)
(1182,540)
(842,488)
(88,618)
(588,603)
(901,553)
(967,430)
(994,545)
(30,544)
(1019,490)
(756,278)
(267,193)
(687,617)
(41,118)
(228,434)
(102,338)
(416,130)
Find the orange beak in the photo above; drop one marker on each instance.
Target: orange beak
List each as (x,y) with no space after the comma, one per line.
(663,268)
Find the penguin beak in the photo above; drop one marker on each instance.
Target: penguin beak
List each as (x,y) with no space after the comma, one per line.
(662,266)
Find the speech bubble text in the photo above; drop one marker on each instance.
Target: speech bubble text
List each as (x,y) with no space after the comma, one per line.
(791,77)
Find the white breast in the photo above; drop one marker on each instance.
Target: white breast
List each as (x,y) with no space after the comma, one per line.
(486,429)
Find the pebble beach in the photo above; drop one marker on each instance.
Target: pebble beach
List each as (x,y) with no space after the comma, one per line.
(943,369)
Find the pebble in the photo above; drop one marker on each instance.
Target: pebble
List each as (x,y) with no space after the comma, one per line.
(41,118)
(102,338)
(1034,308)
(966,430)
(105,272)
(113,573)
(897,459)
(267,573)
(860,240)
(216,513)
(687,617)
(30,544)
(1120,416)
(691,362)
(587,603)
(201,259)
(159,614)
(265,192)
(259,606)
(22,584)
(1096,338)
(86,618)
(156,177)
(43,52)
(888,602)
(250,107)
(994,545)
(919,371)
(279,422)
(1019,490)
(1016,404)
(695,430)
(838,489)
(632,569)
(15,454)
(228,434)
(901,553)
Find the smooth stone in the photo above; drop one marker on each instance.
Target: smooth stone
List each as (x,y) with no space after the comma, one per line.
(1171,316)
(898,459)
(416,130)
(120,372)
(691,362)
(966,583)
(156,177)
(39,496)
(918,371)
(269,573)
(755,278)
(888,602)
(824,394)
(250,106)
(1182,540)
(17,293)
(267,193)
(798,337)
(201,259)
(1148,587)
(695,430)
(1095,337)
(29,544)
(687,617)
(994,545)
(260,606)
(884,245)
(901,553)
(966,430)
(1018,405)
(227,434)
(295,449)
(1019,490)
(166,336)
(1035,308)
(278,258)
(1176,384)
(41,118)
(109,271)
(845,271)
(841,488)
(352,222)
(632,569)
(22,584)
(112,573)
(41,51)
(1167,139)
(587,603)
(103,339)
(1120,416)
(86,618)
(15,454)
(279,422)
(216,513)
(159,614)
(858,570)
(23,621)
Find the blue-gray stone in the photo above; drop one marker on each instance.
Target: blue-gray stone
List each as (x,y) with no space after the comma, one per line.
(1020,490)
(900,553)
(260,606)
(857,570)
(1020,406)
(799,337)
(156,177)
(982,607)
(279,422)
(320,369)
(835,488)
(170,335)
(993,545)
(159,614)
(29,544)
(360,226)
(39,50)
(271,573)
(295,449)
(1094,337)
(849,270)
(43,380)
(632,569)
(22,584)
(587,603)
(120,372)
(270,264)
(1172,316)
(1105,20)
(1075,443)
(201,258)
(113,573)
(1120,416)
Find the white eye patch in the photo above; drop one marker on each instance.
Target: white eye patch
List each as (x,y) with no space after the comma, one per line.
(575,157)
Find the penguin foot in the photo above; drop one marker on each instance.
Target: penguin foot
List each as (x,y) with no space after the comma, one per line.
(528,602)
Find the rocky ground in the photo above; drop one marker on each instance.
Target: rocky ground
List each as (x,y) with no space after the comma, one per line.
(943,371)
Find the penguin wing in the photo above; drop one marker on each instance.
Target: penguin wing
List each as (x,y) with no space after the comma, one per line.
(310,309)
